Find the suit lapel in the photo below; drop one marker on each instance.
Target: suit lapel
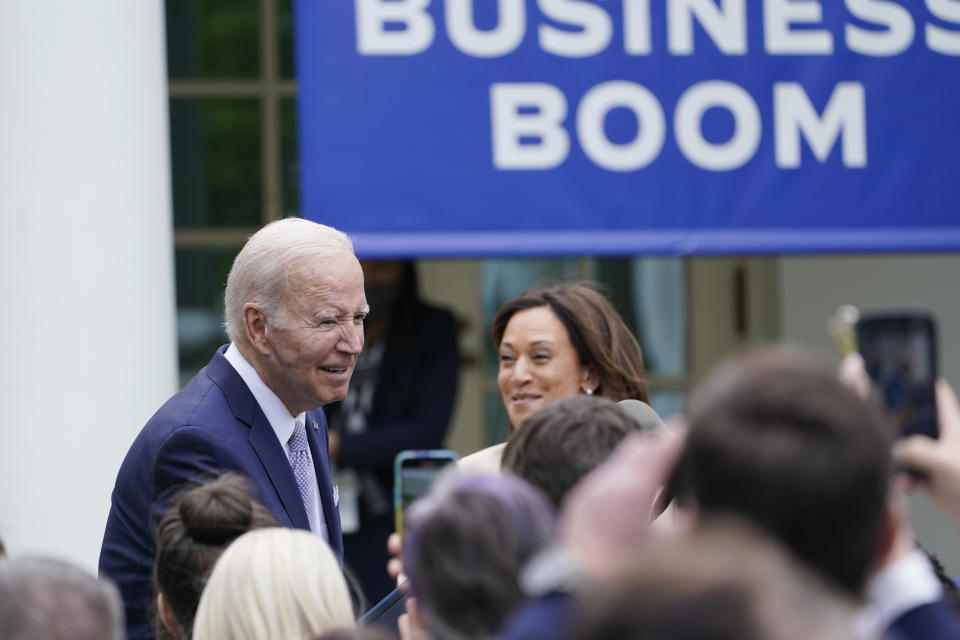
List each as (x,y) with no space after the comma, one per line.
(317,436)
(262,437)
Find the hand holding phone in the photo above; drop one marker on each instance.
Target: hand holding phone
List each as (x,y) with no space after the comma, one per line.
(938,461)
(413,474)
(900,355)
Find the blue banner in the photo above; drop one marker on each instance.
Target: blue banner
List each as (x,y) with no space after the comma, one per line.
(565,127)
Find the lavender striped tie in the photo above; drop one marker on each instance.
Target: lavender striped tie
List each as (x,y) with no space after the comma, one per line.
(300,463)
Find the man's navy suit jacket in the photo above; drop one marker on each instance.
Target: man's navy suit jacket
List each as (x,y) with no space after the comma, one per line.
(930,621)
(212,425)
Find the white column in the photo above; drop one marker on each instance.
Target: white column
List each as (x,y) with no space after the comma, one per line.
(87,339)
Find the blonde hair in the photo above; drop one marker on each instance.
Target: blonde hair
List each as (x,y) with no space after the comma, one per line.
(274,583)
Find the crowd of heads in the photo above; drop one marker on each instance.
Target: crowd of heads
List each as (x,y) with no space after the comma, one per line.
(780,479)
(225,570)
(776,439)
(781,472)
(564,441)
(467,542)
(725,583)
(783,475)
(191,536)
(274,583)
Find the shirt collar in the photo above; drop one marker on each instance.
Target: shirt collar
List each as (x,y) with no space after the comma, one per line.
(902,585)
(272,407)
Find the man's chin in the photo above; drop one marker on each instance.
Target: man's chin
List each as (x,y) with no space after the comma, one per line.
(337,394)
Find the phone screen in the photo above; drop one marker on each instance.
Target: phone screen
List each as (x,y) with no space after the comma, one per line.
(899,352)
(414,474)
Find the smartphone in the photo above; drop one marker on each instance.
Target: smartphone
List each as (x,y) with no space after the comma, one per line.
(899,351)
(413,474)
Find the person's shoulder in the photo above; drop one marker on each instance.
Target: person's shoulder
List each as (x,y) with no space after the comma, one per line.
(483,461)
(199,396)
(184,428)
(203,402)
(929,621)
(544,617)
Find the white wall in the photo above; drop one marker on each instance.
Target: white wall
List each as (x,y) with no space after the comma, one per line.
(812,288)
(86,260)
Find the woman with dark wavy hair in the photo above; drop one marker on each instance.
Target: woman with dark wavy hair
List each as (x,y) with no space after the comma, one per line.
(559,341)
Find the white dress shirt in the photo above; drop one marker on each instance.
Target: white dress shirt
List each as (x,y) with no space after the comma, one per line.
(905,584)
(281,421)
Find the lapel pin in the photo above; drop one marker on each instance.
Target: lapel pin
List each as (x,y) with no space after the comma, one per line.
(316,427)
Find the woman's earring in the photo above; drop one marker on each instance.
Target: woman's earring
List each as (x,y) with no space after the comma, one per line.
(589,392)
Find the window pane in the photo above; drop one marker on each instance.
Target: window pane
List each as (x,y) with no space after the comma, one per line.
(201,276)
(212,39)
(651,296)
(215,149)
(668,402)
(285,38)
(289,157)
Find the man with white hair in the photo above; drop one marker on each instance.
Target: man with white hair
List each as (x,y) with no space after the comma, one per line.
(294,307)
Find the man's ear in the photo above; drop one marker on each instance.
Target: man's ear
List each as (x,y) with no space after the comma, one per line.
(896,534)
(166,616)
(416,617)
(255,327)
